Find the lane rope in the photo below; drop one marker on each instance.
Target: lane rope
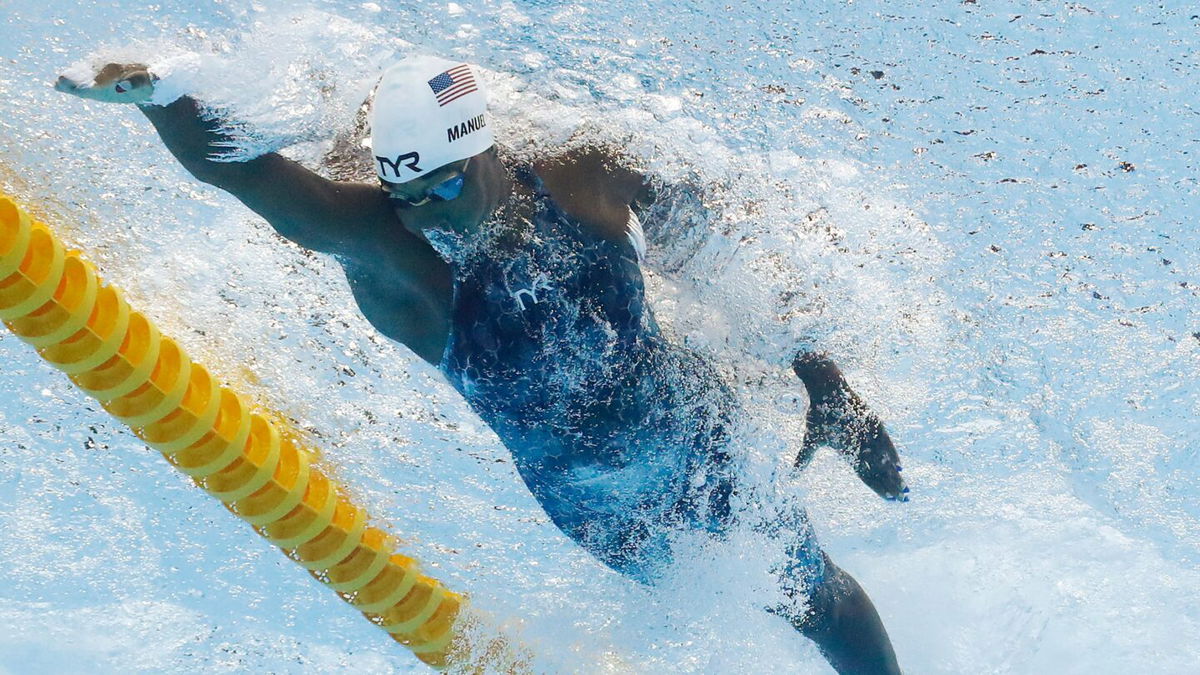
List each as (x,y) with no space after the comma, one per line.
(54,300)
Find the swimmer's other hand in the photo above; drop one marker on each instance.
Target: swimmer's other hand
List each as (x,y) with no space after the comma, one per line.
(113,83)
(838,418)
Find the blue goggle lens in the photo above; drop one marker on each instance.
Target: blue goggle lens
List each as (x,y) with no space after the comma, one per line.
(448,189)
(444,191)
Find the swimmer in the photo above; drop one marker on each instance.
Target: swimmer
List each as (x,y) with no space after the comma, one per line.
(522,284)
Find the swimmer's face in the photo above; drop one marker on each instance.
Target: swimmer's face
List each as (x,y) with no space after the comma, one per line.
(455,197)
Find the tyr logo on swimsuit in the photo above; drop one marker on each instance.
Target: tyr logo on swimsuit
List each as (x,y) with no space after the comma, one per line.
(408,160)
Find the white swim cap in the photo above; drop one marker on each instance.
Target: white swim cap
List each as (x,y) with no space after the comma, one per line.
(428,112)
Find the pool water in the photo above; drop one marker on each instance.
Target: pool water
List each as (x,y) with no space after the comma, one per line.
(983,210)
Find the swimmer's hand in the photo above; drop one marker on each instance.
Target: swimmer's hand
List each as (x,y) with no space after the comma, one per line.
(838,418)
(113,83)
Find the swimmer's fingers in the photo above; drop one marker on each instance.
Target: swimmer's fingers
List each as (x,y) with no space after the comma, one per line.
(878,465)
(864,444)
(837,417)
(113,83)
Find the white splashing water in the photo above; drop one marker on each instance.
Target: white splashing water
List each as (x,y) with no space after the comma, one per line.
(984,211)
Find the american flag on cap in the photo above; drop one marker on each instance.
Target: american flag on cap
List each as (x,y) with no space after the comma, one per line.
(453,84)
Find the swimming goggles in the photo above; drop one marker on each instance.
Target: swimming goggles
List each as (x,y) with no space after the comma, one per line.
(444,191)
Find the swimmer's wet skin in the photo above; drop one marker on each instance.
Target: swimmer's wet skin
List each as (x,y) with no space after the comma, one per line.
(522,284)
(838,418)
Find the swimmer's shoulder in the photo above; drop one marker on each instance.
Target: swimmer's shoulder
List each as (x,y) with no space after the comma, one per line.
(594,185)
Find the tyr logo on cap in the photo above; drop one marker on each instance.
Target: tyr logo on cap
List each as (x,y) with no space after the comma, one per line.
(408,160)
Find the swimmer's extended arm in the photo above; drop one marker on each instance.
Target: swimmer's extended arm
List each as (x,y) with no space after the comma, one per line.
(308,209)
(302,206)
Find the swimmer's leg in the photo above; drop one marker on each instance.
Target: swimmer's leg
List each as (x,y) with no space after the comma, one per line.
(842,621)
(837,417)
(838,615)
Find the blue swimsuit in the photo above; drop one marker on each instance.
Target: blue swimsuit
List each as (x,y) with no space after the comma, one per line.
(619,434)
